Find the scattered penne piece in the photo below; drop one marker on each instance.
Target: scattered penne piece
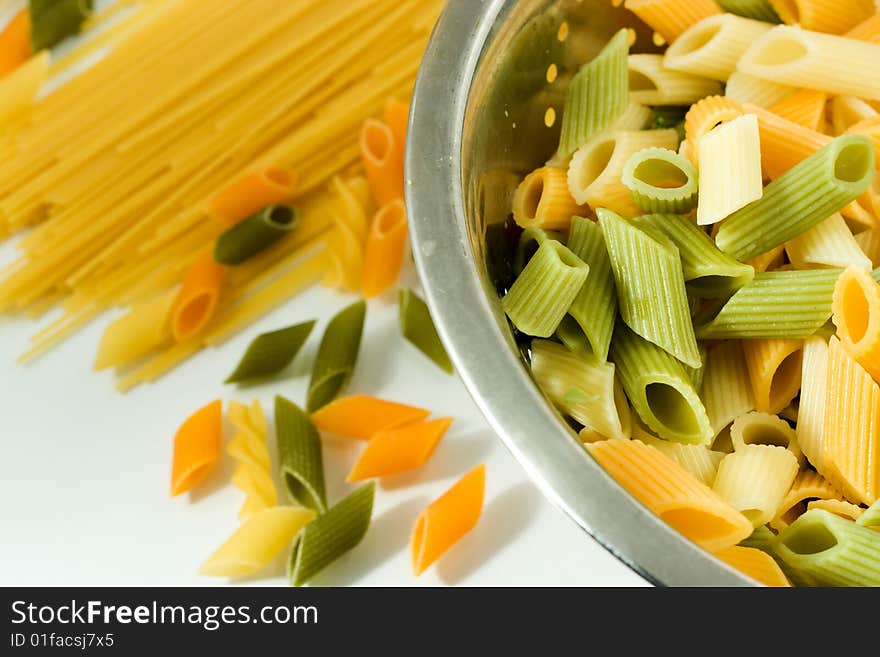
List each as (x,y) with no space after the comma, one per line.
(197,447)
(337,356)
(384,249)
(269,353)
(300,455)
(418,328)
(362,416)
(252,192)
(197,298)
(447,519)
(396,450)
(382,158)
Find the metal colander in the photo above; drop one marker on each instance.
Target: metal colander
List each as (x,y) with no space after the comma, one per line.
(486,109)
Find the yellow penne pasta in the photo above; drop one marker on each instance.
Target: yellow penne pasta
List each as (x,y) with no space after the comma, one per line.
(730,169)
(869,243)
(744,88)
(652,84)
(669,18)
(775,370)
(813,60)
(828,244)
(856,314)
(811,412)
(808,485)
(699,460)
(867,30)
(769,261)
(784,143)
(851,440)
(846,111)
(141,330)
(754,480)
(840,508)
(672,493)
(824,15)
(805,107)
(727,389)
(712,47)
(755,563)
(758,428)
(595,171)
(542,200)
(257,542)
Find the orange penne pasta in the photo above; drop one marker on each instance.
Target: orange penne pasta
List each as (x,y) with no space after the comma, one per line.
(755,563)
(385,248)
(674,494)
(197,299)
(253,192)
(870,128)
(196,447)
(840,508)
(705,115)
(397,117)
(783,142)
(856,314)
(543,200)
(403,448)
(669,18)
(447,519)
(805,107)
(851,440)
(15,42)
(829,16)
(362,416)
(383,161)
(867,30)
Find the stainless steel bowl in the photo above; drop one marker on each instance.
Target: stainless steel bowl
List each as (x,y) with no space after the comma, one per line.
(477,123)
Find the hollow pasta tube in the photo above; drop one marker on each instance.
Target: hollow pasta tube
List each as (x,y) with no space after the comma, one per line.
(362,416)
(252,192)
(403,448)
(196,447)
(197,298)
(383,161)
(856,314)
(384,249)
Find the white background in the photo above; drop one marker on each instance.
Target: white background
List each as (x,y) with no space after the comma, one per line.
(84,471)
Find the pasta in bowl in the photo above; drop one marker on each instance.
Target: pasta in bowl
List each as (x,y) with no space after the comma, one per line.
(682,241)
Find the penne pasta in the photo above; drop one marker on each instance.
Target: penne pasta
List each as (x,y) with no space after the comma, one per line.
(584,390)
(760,10)
(418,328)
(300,455)
(337,356)
(675,495)
(447,519)
(829,243)
(743,88)
(248,446)
(269,353)
(652,84)
(705,115)
(850,453)
(727,389)
(867,30)
(814,391)
(841,508)
(542,200)
(869,242)
(775,370)
(196,301)
(730,169)
(399,449)
(382,160)
(813,60)
(384,249)
(758,428)
(138,332)
(661,181)
(847,111)
(362,416)
(805,107)
(257,542)
(755,563)
(824,15)
(53,22)
(670,18)
(784,143)
(196,448)
(856,314)
(249,237)
(698,460)
(252,192)
(396,117)
(808,485)
(712,47)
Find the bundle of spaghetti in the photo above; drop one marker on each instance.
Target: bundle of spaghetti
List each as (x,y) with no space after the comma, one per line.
(117,168)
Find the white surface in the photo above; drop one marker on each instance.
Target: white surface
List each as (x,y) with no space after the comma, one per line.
(85,471)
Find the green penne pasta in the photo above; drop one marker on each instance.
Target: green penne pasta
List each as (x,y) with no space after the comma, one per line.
(570,334)
(871,517)
(650,287)
(762,539)
(585,390)
(695,374)
(259,231)
(708,272)
(822,549)
(759,10)
(595,307)
(597,96)
(661,181)
(52,21)
(417,327)
(331,535)
(269,353)
(659,389)
(544,291)
(337,356)
(803,196)
(529,242)
(784,304)
(299,455)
